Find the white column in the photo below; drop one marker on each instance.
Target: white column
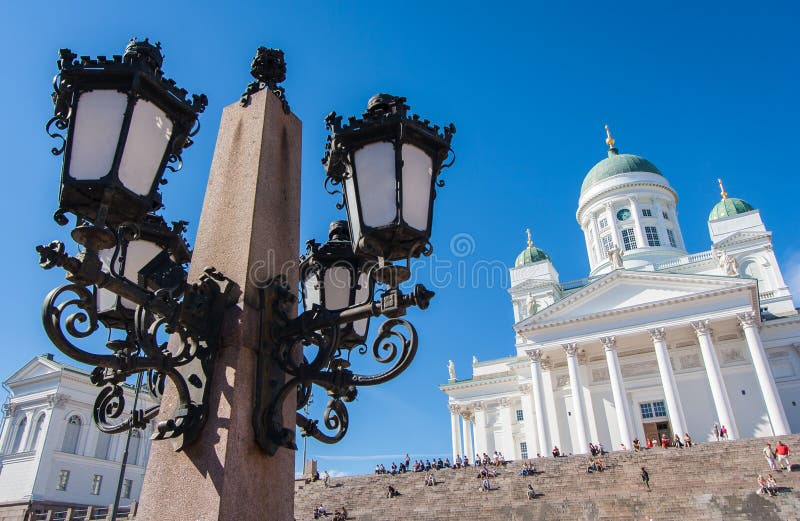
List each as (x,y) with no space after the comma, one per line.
(618,390)
(508,418)
(480,429)
(715,380)
(775,410)
(671,394)
(535,357)
(638,229)
(577,398)
(8,426)
(588,403)
(469,445)
(455,428)
(531,438)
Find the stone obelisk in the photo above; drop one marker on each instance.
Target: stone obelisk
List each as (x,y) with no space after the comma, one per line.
(249,231)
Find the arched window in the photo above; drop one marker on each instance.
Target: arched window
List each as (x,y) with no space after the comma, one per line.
(103,444)
(71,435)
(18,440)
(37,431)
(133,448)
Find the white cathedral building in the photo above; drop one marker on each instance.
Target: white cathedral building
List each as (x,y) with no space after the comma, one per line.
(655,340)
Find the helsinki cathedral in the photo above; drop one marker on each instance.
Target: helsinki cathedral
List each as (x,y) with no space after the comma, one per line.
(654,341)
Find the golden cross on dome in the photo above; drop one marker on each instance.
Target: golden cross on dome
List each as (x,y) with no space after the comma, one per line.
(530,241)
(609,138)
(722,191)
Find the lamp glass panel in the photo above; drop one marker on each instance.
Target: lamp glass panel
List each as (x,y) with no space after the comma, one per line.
(137,255)
(338,283)
(352,210)
(148,137)
(417,173)
(377,184)
(311,290)
(98,121)
(362,294)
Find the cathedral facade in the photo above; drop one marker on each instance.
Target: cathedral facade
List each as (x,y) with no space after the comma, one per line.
(653,341)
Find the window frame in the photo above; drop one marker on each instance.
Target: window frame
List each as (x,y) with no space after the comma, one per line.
(523,449)
(647,212)
(651,234)
(127,487)
(63,480)
(520,415)
(628,239)
(602,223)
(97,484)
(607,247)
(671,238)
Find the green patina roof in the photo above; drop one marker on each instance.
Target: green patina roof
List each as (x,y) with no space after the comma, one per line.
(616,164)
(530,255)
(729,206)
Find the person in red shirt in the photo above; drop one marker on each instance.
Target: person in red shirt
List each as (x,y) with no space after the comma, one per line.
(783,456)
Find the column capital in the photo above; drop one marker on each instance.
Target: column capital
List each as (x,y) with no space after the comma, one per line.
(57,400)
(658,334)
(9,408)
(525,388)
(479,406)
(505,402)
(454,408)
(467,414)
(534,355)
(609,343)
(571,348)
(701,327)
(747,319)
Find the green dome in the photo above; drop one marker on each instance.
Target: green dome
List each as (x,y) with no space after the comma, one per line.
(530,255)
(616,164)
(729,206)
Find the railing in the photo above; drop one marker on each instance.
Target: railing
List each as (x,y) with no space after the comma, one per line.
(766,294)
(687,259)
(88,513)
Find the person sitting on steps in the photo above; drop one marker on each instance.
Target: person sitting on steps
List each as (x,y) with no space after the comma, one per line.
(392,492)
(530,492)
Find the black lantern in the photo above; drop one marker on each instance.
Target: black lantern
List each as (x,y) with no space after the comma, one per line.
(124,123)
(150,255)
(334,278)
(388,163)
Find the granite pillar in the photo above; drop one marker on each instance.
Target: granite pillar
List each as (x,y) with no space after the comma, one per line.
(249,231)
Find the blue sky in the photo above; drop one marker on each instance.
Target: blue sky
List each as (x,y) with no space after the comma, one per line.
(703,91)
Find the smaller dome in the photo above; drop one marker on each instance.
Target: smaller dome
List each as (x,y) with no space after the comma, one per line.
(728,207)
(530,255)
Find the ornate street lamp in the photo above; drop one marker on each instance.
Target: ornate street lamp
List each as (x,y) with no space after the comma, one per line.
(334,278)
(388,163)
(152,256)
(125,123)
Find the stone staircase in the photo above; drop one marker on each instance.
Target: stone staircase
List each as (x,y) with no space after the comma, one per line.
(710,481)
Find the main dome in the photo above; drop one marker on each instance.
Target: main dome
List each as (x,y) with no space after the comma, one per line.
(616,164)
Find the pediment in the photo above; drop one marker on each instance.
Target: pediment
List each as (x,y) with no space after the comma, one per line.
(623,290)
(741,237)
(39,366)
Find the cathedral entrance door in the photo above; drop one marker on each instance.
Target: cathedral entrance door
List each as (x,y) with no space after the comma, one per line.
(656,429)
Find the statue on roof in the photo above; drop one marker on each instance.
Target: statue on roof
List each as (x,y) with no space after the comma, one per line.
(451,368)
(530,305)
(615,256)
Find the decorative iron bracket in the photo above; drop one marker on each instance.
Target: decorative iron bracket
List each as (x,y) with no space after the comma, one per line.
(284,370)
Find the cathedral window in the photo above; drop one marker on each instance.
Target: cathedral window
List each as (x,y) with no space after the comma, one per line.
(603,223)
(519,415)
(665,215)
(671,237)
(628,239)
(37,431)
(608,242)
(133,449)
(652,236)
(63,480)
(655,409)
(647,212)
(17,446)
(126,488)
(523,450)
(97,482)
(71,435)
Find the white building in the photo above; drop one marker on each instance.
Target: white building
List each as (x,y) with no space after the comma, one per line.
(51,452)
(654,340)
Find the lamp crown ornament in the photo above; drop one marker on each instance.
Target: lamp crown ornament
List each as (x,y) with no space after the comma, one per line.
(269,69)
(145,53)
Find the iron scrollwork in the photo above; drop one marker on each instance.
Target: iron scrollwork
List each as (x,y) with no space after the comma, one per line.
(296,354)
(70,312)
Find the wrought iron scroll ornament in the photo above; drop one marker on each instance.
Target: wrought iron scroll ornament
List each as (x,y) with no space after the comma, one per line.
(269,69)
(322,361)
